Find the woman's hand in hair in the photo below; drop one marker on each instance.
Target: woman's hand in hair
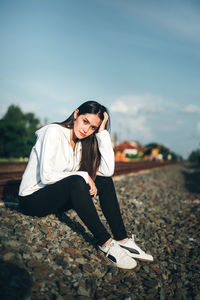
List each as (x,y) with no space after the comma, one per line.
(105,120)
(93,189)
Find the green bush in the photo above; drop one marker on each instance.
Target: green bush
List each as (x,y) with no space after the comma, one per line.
(195,156)
(17,133)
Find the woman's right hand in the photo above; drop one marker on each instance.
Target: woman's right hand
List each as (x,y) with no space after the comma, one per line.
(104,122)
(93,189)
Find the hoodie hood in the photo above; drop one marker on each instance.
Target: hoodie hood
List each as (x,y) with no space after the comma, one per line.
(41,132)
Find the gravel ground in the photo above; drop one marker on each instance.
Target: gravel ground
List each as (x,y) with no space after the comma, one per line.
(55,257)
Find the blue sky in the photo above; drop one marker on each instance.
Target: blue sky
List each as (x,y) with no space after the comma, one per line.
(139,58)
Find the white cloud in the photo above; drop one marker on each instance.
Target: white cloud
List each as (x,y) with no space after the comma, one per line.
(140,128)
(132,128)
(180,19)
(198,128)
(119,106)
(138,104)
(191,109)
(185,24)
(179,122)
(132,114)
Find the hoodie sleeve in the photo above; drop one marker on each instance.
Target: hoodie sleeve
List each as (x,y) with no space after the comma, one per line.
(107,163)
(50,152)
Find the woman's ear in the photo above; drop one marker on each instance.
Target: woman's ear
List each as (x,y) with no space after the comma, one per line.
(76,113)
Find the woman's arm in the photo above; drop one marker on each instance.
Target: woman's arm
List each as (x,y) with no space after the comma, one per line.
(107,163)
(104,122)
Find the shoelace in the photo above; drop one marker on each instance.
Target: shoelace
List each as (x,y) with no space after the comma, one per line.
(133,238)
(136,246)
(119,252)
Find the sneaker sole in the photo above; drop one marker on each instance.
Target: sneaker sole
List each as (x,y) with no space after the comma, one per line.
(143,259)
(140,258)
(113,263)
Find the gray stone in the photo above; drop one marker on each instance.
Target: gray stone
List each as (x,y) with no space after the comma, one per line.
(62,263)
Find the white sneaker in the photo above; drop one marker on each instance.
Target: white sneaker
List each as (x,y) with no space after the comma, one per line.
(117,255)
(133,250)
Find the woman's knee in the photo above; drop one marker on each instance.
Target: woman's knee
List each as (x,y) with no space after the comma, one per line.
(102,180)
(78,182)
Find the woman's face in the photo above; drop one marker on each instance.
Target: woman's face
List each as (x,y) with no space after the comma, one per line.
(85,125)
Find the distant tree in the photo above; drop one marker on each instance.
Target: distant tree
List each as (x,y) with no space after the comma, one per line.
(162,150)
(195,156)
(17,132)
(32,124)
(165,152)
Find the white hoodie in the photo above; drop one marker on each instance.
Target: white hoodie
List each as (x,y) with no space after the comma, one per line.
(52,158)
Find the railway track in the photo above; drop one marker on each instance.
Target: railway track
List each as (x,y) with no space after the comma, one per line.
(11,173)
(133,167)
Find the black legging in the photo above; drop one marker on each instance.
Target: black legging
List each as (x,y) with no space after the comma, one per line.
(73,192)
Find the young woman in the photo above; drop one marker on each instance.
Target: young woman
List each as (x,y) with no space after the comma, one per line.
(70,163)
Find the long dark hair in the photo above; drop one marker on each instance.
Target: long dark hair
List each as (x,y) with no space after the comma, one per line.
(91,157)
